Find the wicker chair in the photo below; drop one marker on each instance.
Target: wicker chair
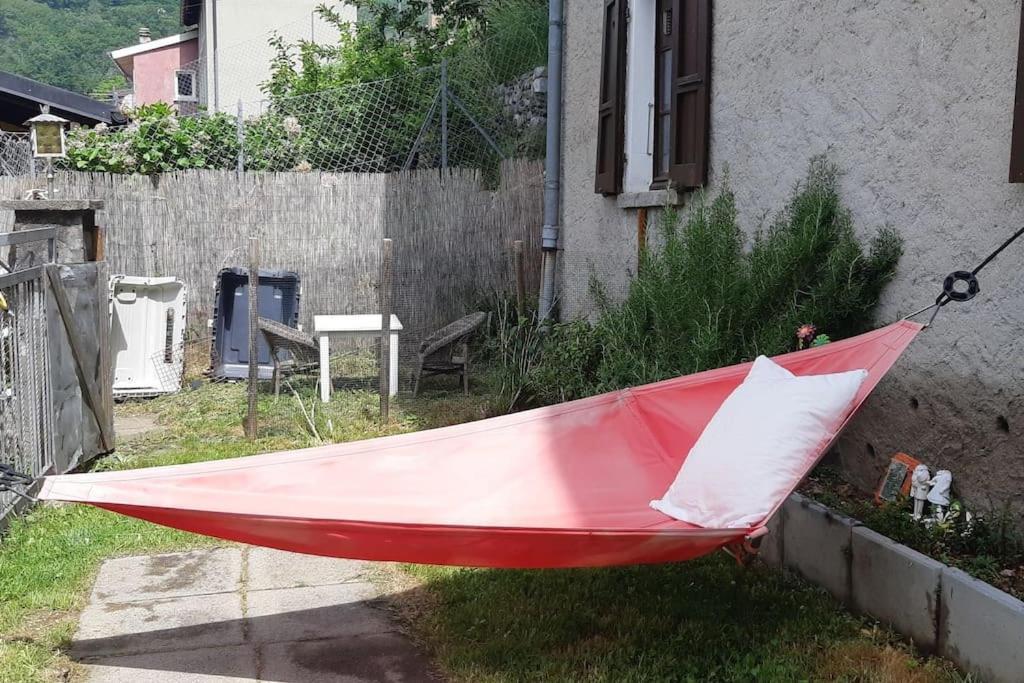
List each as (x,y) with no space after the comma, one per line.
(291,350)
(446,352)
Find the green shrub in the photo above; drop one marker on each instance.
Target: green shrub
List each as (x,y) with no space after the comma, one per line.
(155,141)
(703,300)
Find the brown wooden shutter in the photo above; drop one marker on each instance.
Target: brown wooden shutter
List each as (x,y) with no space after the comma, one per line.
(1017,137)
(611,112)
(691,91)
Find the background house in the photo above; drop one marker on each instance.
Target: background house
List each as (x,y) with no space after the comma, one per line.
(234,52)
(914,101)
(21,98)
(224,55)
(160,70)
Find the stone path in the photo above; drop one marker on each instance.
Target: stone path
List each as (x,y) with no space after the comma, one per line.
(240,614)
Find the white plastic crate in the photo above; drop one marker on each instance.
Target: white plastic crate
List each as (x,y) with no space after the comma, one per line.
(147,334)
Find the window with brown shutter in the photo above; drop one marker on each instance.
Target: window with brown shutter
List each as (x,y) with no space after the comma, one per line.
(611,132)
(684,83)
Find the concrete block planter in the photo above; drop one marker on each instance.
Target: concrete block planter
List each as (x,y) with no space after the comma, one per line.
(816,544)
(938,608)
(896,585)
(981,628)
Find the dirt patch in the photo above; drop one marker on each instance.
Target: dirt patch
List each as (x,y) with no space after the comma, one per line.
(866,661)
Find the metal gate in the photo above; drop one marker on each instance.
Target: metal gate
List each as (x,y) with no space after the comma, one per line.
(26,403)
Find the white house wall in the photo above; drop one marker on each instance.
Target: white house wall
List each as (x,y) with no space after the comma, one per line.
(913,101)
(243,32)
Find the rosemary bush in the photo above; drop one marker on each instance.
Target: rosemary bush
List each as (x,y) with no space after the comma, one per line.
(705,299)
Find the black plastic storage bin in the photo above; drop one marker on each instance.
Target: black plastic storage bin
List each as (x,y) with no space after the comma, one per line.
(278,300)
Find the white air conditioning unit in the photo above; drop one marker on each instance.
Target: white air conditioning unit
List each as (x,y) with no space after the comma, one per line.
(147,334)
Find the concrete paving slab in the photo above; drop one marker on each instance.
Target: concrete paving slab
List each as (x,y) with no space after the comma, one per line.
(364,659)
(896,585)
(211,625)
(110,628)
(981,628)
(314,612)
(154,577)
(217,665)
(816,544)
(278,569)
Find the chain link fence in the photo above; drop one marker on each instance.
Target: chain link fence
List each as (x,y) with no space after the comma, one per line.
(16,154)
(484,105)
(26,428)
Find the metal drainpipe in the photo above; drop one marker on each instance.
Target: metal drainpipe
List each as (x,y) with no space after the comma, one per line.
(553,159)
(216,58)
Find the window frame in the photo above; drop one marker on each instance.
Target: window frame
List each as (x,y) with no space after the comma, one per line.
(178,96)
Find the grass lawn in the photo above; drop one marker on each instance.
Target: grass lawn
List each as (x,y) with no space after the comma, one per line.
(703,620)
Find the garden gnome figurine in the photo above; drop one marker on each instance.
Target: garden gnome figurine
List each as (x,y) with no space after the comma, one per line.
(938,496)
(919,483)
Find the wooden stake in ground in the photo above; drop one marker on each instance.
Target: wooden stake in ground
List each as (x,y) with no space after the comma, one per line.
(520,274)
(385,329)
(254,361)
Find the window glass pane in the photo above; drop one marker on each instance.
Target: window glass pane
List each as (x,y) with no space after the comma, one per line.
(185,83)
(666,133)
(665,78)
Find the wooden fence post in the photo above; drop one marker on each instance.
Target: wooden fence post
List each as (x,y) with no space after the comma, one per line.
(385,330)
(520,271)
(251,427)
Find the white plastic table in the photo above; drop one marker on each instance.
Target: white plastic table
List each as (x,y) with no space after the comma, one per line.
(368,325)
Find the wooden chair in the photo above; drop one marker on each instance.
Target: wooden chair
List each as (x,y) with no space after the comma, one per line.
(291,350)
(446,352)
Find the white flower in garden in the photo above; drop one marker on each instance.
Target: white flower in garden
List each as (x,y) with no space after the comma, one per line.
(101,128)
(130,161)
(303,167)
(292,126)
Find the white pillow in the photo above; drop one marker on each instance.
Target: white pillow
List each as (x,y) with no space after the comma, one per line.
(757,447)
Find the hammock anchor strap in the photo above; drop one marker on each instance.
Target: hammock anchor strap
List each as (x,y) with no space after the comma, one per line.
(971,287)
(15,482)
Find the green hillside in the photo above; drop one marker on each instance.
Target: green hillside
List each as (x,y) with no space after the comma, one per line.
(65,42)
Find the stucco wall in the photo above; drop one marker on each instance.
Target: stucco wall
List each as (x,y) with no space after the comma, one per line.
(153,72)
(913,100)
(243,30)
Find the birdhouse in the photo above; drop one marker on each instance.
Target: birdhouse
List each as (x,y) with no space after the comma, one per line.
(48,141)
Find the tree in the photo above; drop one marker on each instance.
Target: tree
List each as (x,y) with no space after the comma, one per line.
(65,42)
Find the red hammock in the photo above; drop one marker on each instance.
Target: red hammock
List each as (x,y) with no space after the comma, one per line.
(563,486)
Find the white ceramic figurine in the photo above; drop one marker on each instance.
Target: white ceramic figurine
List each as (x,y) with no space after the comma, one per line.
(919,482)
(938,496)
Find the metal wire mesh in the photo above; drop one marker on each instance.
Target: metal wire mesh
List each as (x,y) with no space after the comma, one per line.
(482,106)
(15,154)
(26,430)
